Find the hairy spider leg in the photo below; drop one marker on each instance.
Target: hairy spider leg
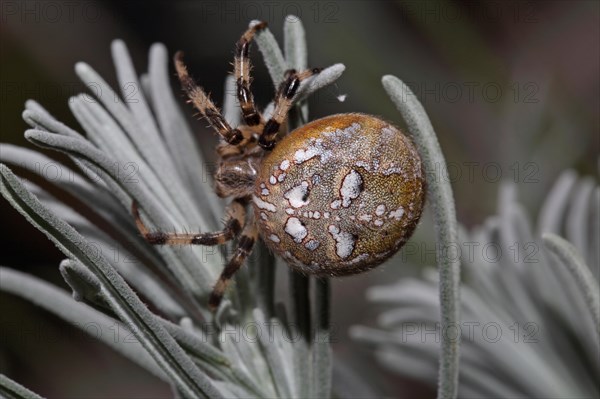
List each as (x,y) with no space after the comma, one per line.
(242,68)
(242,251)
(204,105)
(283,103)
(236,216)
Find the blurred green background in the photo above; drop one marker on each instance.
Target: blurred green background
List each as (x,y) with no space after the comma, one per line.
(511,87)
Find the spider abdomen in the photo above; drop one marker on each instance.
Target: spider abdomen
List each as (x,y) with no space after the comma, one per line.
(339,195)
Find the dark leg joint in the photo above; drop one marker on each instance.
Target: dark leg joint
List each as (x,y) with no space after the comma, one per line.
(204,240)
(252,119)
(265,144)
(243,93)
(246,244)
(271,128)
(213,301)
(236,137)
(156,238)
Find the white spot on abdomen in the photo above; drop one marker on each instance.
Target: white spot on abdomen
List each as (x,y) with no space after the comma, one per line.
(296,229)
(304,155)
(351,187)
(397,214)
(344,242)
(297,196)
(263,204)
(380,210)
(312,245)
(274,238)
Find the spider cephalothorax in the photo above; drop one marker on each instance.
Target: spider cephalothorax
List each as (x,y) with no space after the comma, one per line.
(336,196)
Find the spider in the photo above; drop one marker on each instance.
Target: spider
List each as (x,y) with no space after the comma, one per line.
(336,196)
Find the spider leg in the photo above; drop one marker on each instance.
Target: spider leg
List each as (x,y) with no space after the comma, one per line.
(242,251)
(204,105)
(283,104)
(236,215)
(242,68)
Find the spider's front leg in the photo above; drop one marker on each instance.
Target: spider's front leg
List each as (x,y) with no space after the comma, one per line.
(205,106)
(242,68)
(243,250)
(283,103)
(236,216)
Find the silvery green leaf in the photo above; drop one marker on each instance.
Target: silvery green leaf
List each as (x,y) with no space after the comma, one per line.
(9,389)
(79,314)
(196,278)
(210,359)
(551,212)
(162,347)
(442,202)
(324,78)
(249,367)
(108,137)
(594,253)
(38,118)
(274,356)
(180,140)
(61,175)
(152,148)
(569,256)
(231,107)
(107,209)
(551,216)
(271,52)
(86,287)
(301,363)
(195,344)
(321,350)
(578,223)
(296,54)
(538,353)
(140,128)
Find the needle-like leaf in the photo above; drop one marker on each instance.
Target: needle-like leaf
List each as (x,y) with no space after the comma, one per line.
(441,200)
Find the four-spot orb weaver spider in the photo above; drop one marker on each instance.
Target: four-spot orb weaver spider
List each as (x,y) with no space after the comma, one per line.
(334,197)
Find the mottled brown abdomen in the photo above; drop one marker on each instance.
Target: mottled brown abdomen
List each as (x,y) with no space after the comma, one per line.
(339,195)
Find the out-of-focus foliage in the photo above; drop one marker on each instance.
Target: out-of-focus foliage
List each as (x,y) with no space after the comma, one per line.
(529,325)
